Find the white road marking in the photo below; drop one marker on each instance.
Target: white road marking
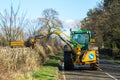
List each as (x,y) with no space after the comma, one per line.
(64,78)
(100,69)
(63,72)
(109,75)
(64,75)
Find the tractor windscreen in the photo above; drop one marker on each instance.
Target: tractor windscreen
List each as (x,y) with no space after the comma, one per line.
(81,38)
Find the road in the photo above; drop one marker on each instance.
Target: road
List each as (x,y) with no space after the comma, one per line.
(107,71)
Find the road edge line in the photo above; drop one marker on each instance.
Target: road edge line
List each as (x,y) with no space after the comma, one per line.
(111,76)
(108,74)
(63,75)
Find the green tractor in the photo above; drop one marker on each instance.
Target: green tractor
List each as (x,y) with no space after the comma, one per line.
(80,50)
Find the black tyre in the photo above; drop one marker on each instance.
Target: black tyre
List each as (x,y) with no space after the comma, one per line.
(93,66)
(68,64)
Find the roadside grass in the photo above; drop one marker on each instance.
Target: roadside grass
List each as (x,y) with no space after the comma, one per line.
(111,58)
(117,61)
(49,71)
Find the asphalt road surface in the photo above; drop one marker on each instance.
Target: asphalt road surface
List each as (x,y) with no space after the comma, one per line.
(107,71)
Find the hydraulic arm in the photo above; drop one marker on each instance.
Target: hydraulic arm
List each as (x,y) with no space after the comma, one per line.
(67,41)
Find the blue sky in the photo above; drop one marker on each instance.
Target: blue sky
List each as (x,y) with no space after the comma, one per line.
(67,9)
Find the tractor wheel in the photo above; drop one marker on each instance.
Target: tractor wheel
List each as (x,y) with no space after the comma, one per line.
(68,64)
(95,66)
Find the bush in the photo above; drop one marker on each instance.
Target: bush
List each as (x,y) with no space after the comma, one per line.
(113,53)
(14,60)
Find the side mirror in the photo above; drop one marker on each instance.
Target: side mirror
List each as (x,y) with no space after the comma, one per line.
(70,29)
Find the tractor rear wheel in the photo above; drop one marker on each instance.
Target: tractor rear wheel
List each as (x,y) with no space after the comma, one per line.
(68,64)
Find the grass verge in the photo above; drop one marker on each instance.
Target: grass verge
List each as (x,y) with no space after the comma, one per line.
(110,58)
(49,71)
(116,61)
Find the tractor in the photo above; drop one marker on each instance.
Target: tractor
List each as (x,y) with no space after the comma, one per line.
(80,49)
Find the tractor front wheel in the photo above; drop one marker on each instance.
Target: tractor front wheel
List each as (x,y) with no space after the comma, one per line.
(68,64)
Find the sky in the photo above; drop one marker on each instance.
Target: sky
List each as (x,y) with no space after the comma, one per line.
(69,10)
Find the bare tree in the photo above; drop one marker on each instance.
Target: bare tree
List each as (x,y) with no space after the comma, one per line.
(34,26)
(12,24)
(50,20)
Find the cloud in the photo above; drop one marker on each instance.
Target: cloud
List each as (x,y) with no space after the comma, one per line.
(69,21)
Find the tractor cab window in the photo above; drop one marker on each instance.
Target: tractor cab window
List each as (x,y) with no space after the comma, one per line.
(81,38)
